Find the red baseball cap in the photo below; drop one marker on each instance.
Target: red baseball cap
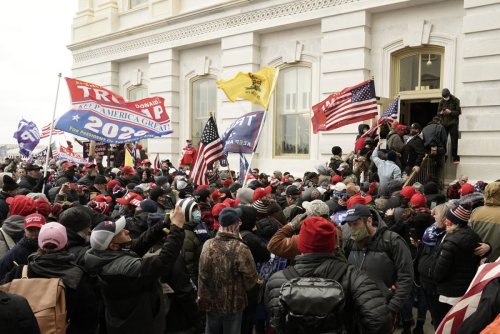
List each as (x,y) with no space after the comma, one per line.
(102,198)
(216,195)
(88,165)
(34,220)
(336,178)
(358,199)
(261,192)
(130,199)
(128,170)
(466,189)
(68,164)
(112,183)
(146,161)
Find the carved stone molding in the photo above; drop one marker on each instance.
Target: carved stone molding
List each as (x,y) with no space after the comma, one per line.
(248,18)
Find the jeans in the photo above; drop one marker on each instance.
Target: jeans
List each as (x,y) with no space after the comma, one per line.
(223,323)
(406,312)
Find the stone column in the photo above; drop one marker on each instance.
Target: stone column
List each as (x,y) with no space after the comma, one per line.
(480,120)
(164,82)
(346,47)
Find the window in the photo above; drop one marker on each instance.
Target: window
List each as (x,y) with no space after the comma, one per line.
(203,102)
(293,105)
(418,70)
(135,3)
(137,93)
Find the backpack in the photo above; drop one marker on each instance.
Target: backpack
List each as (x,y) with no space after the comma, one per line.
(47,299)
(314,304)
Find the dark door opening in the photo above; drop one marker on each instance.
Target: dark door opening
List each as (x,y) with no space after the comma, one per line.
(418,111)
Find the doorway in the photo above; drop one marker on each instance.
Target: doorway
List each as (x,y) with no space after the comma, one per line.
(418,111)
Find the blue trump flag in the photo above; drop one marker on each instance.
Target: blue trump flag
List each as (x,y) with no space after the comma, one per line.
(241,136)
(27,136)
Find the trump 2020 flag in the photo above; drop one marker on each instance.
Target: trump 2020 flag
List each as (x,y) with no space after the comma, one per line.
(27,136)
(243,168)
(254,87)
(101,115)
(241,135)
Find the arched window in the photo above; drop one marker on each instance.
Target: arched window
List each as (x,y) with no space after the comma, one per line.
(292,111)
(137,92)
(418,71)
(203,102)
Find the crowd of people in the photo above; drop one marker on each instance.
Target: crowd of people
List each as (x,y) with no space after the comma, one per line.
(145,250)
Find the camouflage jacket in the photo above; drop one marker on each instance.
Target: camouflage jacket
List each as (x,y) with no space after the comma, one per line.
(226,272)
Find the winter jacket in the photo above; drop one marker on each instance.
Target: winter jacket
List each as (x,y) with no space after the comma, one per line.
(227,272)
(16,316)
(18,254)
(426,258)
(183,313)
(4,207)
(454,105)
(87,181)
(456,263)
(81,300)
(257,246)
(77,246)
(413,153)
(130,285)
(30,183)
(485,220)
(387,260)
(395,142)
(284,243)
(192,250)
(435,135)
(13,226)
(365,310)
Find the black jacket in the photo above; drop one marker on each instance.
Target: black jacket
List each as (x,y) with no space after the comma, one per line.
(257,246)
(387,260)
(365,311)
(456,263)
(413,153)
(30,183)
(16,316)
(130,284)
(18,254)
(425,265)
(81,301)
(435,135)
(4,207)
(454,105)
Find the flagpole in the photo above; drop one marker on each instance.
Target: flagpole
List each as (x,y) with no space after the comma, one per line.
(275,80)
(51,130)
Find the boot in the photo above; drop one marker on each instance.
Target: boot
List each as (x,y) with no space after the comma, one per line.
(419,327)
(406,327)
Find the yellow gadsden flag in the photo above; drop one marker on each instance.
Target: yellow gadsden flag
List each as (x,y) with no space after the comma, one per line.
(254,87)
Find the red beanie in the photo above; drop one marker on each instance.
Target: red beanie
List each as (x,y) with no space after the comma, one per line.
(407,192)
(466,189)
(43,207)
(317,235)
(21,205)
(418,200)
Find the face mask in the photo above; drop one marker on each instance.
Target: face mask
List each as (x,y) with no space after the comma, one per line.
(359,234)
(446,98)
(197,216)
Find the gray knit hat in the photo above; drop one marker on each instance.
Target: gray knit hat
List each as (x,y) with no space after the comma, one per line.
(245,195)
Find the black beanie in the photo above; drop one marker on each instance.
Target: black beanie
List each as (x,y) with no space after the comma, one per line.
(155,193)
(9,184)
(75,218)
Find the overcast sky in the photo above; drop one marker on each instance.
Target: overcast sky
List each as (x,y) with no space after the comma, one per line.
(33,39)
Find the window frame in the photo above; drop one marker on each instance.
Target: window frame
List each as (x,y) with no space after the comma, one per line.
(133,87)
(396,71)
(130,6)
(277,114)
(191,104)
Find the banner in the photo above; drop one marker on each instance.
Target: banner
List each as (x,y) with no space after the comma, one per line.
(27,137)
(67,154)
(101,115)
(254,87)
(101,149)
(241,135)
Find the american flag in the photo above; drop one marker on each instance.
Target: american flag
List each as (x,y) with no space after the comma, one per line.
(46,131)
(351,105)
(157,163)
(469,302)
(243,168)
(209,151)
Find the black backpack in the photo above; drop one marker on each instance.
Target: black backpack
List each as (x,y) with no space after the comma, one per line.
(312,305)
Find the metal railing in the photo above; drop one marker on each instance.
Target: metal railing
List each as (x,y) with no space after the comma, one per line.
(431,169)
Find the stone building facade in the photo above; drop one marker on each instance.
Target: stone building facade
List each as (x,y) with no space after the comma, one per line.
(413,48)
